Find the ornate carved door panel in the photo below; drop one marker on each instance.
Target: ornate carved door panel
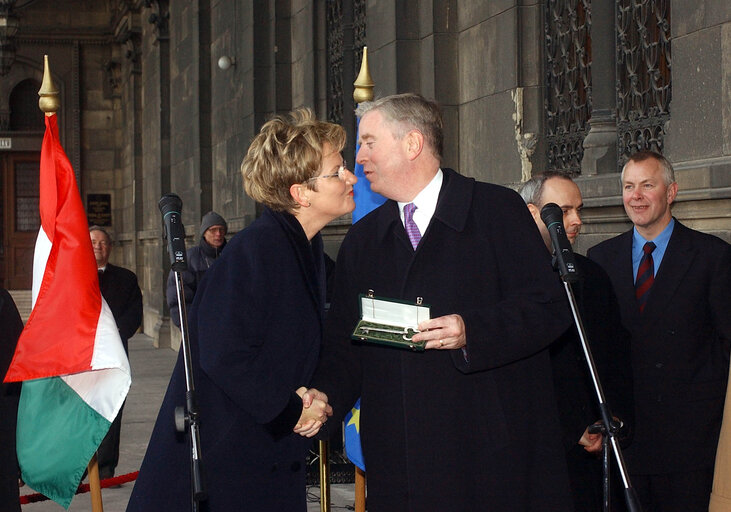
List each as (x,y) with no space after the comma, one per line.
(643,75)
(20,218)
(568,82)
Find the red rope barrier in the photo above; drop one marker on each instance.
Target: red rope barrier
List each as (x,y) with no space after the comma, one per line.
(107,482)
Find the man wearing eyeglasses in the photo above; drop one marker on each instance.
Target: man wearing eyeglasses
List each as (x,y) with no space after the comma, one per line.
(123,296)
(199,258)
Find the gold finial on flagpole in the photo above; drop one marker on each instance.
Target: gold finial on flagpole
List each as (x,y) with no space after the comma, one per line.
(48,101)
(364,83)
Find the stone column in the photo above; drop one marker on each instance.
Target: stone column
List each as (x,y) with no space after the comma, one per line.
(600,144)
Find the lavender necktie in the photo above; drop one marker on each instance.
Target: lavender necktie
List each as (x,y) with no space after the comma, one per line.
(411,228)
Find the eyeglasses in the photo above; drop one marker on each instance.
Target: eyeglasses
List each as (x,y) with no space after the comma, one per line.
(340,174)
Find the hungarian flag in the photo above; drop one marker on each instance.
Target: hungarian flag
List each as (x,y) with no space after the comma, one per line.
(69,356)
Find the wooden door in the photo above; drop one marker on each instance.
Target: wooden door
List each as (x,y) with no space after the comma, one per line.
(20,218)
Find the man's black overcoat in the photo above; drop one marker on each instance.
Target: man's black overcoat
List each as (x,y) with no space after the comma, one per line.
(122,293)
(120,289)
(438,432)
(680,348)
(255,331)
(575,392)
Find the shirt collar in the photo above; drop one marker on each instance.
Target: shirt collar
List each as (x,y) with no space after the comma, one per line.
(426,202)
(660,240)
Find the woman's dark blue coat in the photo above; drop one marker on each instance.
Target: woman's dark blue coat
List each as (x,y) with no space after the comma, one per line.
(255,330)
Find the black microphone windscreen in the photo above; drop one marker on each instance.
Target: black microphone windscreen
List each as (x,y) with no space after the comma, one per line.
(170,203)
(551,213)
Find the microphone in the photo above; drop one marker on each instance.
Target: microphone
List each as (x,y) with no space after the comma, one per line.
(170,206)
(563,256)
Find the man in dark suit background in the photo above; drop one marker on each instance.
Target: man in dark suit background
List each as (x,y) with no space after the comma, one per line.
(673,285)
(609,342)
(122,293)
(471,422)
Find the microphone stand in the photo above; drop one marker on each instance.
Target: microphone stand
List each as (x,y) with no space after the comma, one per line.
(611,427)
(563,261)
(185,418)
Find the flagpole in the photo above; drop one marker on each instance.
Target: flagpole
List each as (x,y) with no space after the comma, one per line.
(95,485)
(49,103)
(363,92)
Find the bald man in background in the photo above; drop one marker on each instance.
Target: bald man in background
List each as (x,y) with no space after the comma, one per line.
(609,342)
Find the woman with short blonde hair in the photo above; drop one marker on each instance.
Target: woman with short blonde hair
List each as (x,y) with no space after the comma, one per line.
(255,331)
(287,150)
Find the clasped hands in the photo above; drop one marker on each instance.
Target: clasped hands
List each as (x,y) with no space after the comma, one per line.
(315,411)
(444,332)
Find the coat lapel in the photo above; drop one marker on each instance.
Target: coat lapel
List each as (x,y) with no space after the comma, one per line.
(675,263)
(389,224)
(625,285)
(452,209)
(309,256)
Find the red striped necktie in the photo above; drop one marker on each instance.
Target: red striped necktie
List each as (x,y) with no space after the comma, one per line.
(645,275)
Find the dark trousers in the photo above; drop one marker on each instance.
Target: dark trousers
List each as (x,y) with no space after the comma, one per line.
(585,475)
(108,452)
(9,496)
(674,492)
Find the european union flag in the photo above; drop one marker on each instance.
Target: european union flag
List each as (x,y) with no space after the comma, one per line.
(352,437)
(365,199)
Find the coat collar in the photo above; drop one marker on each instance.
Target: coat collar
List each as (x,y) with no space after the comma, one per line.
(453,206)
(676,262)
(620,259)
(309,254)
(209,250)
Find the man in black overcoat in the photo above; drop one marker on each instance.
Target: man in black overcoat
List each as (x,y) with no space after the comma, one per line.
(10,327)
(122,293)
(470,424)
(681,333)
(609,342)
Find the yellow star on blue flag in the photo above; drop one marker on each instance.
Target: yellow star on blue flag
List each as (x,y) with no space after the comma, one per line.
(352,437)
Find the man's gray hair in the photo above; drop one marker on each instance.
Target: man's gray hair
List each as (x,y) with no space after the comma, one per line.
(99,228)
(668,173)
(532,190)
(407,112)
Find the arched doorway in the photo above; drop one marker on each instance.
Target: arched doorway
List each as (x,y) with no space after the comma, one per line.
(19,170)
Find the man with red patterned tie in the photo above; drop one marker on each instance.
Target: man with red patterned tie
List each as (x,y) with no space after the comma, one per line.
(673,284)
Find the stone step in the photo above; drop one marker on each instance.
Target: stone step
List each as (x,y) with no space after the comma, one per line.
(22,299)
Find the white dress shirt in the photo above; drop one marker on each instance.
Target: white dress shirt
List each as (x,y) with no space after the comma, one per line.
(426,203)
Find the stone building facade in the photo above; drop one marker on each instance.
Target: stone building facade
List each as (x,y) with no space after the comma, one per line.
(164,96)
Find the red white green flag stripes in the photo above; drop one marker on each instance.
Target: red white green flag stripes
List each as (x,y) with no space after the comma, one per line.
(70,356)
